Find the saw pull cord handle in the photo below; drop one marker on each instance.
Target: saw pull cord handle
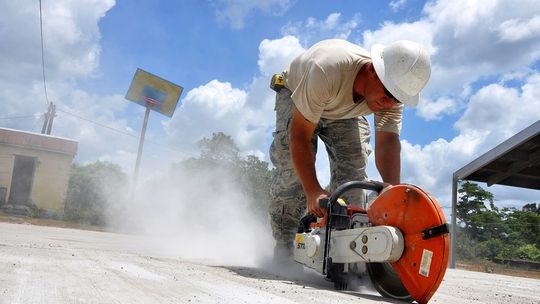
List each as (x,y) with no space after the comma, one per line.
(371,185)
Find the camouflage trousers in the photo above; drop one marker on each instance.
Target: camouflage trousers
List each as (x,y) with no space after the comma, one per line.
(347,145)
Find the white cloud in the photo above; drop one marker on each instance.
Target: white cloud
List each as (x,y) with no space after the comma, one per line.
(502,110)
(470,37)
(71,48)
(434,110)
(419,31)
(515,29)
(218,107)
(70,34)
(397,4)
(234,12)
(469,40)
(275,55)
(217,98)
(211,108)
(313,30)
(518,75)
(94,139)
(432,165)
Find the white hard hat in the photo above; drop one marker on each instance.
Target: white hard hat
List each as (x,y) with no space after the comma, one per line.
(403,67)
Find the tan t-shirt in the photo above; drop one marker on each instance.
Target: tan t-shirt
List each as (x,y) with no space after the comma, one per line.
(321,80)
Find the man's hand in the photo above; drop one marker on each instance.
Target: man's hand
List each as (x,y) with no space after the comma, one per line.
(313,205)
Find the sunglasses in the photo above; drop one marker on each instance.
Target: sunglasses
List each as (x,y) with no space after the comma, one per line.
(389,95)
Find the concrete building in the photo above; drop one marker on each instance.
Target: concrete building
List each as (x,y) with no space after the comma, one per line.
(34,171)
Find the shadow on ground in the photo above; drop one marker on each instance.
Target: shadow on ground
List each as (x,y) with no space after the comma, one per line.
(307,278)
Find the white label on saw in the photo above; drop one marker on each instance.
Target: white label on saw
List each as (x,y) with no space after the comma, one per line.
(427,256)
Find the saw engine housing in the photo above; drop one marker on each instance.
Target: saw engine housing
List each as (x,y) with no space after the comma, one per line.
(401,240)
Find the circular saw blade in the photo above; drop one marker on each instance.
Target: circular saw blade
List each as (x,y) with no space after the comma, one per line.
(387,282)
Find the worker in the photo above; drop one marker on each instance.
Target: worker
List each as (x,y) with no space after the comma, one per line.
(327,92)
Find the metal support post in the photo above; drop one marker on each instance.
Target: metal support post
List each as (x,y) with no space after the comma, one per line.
(141,143)
(453,234)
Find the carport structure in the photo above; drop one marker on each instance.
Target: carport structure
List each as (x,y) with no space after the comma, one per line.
(515,162)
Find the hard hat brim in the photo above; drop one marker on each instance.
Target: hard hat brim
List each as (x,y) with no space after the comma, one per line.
(378,63)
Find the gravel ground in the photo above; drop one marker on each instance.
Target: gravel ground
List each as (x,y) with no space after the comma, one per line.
(57,265)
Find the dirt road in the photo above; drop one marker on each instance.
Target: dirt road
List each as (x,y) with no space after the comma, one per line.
(54,265)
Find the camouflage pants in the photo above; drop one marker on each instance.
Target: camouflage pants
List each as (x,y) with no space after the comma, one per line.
(347,145)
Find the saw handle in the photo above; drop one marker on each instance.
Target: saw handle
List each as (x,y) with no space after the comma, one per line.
(371,185)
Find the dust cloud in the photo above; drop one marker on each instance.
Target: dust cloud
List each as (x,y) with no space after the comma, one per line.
(202,215)
(198,215)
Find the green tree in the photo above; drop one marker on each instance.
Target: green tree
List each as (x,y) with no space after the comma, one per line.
(479,221)
(91,190)
(219,147)
(220,158)
(216,153)
(465,245)
(524,226)
(491,248)
(490,232)
(528,252)
(531,208)
(256,180)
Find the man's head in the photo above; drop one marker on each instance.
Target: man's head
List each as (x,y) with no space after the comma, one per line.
(376,96)
(403,67)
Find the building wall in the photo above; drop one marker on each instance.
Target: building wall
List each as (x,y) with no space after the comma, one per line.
(51,175)
(6,170)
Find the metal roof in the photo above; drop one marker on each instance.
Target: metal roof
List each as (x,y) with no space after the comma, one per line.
(515,162)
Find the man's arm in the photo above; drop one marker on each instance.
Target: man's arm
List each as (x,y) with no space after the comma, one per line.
(304,161)
(387,156)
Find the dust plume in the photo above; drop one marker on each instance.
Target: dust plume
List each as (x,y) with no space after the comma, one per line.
(198,215)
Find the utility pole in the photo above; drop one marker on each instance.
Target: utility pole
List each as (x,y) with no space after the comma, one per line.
(49,117)
(46,122)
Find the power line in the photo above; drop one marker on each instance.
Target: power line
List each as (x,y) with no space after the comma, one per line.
(97,123)
(125,133)
(42,53)
(19,117)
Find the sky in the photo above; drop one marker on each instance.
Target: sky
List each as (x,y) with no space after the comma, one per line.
(484,86)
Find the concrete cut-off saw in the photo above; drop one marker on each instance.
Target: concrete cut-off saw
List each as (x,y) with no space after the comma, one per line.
(401,241)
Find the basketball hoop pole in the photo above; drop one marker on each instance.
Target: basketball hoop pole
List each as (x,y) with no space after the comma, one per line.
(156,94)
(141,142)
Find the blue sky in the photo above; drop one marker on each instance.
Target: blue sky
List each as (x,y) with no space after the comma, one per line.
(484,86)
